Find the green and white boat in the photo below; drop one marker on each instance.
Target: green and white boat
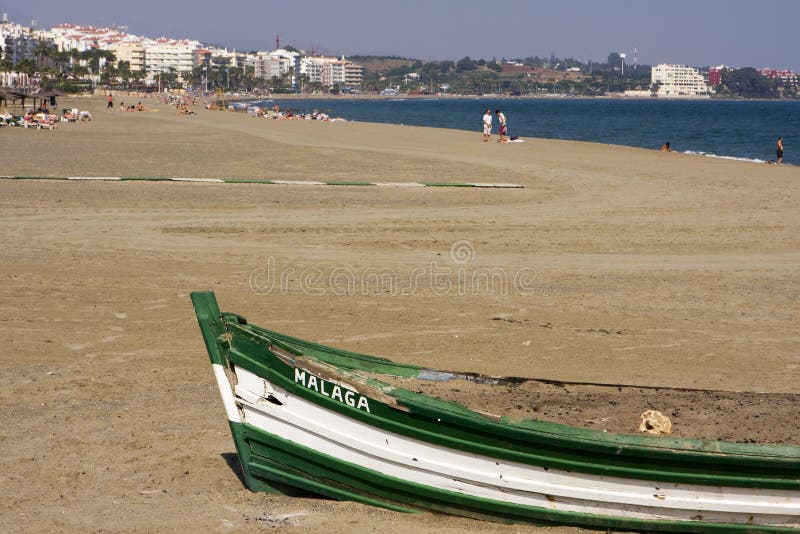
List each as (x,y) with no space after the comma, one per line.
(307,418)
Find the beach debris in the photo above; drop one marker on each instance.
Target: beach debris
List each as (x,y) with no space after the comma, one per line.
(655,422)
(508,319)
(597,421)
(274,521)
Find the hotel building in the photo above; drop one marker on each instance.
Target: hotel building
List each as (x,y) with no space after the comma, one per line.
(676,81)
(330,71)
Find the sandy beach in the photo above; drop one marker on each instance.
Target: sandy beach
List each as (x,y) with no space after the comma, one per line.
(622,266)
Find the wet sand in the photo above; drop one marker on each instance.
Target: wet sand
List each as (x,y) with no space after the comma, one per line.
(621,265)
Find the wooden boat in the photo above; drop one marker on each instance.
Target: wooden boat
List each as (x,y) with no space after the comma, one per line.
(306,418)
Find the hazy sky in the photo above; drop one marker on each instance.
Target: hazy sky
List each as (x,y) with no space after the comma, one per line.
(756,33)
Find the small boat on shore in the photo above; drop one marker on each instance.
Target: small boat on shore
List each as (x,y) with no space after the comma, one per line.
(307,418)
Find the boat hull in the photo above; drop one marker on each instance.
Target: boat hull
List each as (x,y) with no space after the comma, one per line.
(299,427)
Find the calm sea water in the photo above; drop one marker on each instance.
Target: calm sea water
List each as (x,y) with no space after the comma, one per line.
(743,130)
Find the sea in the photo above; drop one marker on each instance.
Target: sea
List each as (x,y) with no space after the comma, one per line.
(742,130)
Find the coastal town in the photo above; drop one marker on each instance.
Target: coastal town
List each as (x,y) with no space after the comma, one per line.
(73,58)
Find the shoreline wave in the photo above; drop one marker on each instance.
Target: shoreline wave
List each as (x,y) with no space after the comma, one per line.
(732,158)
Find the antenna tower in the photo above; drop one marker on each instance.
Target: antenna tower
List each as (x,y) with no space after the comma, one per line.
(277,42)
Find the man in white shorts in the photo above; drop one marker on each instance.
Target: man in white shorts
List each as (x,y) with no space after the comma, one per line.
(487,125)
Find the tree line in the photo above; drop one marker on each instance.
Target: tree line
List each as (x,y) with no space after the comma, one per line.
(71,71)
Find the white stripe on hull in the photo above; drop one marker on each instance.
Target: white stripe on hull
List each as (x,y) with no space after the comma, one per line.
(231,410)
(395,455)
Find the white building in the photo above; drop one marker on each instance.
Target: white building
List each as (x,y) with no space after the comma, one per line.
(330,71)
(318,69)
(16,42)
(82,38)
(676,81)
(150,55)
(165,54)
(275,64)
(229,58)
(264,65)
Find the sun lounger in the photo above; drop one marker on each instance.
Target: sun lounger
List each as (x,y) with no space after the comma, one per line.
(69,115)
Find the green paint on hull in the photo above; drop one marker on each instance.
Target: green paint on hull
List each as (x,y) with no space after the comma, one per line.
(211,325)
(275,459)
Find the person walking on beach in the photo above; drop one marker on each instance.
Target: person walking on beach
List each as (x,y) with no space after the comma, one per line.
(110,102)
(501,118)
(487,125)
(780,149)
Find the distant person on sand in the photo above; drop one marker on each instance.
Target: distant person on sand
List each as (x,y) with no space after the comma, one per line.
(110,102)
(487,125)
(665,147)
(780,149)
(503,127)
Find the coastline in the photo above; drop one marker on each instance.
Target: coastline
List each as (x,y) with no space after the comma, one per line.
(645,268)
(489,96)
(233,97)
(636,123)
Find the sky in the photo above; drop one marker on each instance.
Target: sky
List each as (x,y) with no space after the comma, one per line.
(736,33)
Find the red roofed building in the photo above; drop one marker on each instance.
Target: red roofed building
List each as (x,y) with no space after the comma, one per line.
(786,77)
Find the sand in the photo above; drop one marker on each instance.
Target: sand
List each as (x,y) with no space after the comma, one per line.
(631,266)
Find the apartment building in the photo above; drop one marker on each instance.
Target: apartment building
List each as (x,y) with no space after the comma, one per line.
(18,42)
(164,54)
(353,74)
(280,62)
(785,77)
(330,71)
(133,53)
(676,81)
(228,58)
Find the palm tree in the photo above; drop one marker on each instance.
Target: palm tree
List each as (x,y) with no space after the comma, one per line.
(109,75)
(26,66)
(5,64)
(124,72)
(169,78)
(43,51)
